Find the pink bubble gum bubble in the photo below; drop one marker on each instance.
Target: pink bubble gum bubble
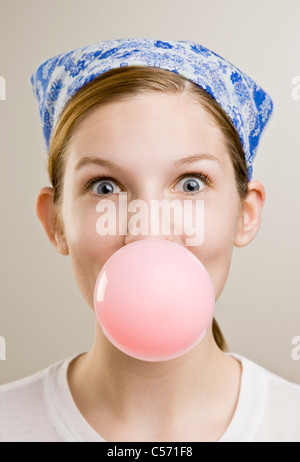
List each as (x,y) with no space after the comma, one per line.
(154,299)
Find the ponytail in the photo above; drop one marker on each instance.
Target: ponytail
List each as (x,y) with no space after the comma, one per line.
(218,336)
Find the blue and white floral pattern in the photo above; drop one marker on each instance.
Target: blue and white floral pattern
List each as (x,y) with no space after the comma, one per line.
(247,105)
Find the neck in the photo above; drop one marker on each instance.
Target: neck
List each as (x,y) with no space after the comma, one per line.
(151,394)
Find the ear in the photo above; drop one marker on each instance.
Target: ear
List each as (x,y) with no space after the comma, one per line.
(47,213)
(250,214)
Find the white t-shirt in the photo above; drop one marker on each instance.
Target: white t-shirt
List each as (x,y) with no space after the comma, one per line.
(40,408)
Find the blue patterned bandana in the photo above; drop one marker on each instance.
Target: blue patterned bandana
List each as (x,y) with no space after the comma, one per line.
(249,108)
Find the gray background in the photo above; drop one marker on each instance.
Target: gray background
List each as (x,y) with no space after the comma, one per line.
(43,316)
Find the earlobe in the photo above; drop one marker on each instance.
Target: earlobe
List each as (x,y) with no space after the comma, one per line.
(47,214)
(251,213)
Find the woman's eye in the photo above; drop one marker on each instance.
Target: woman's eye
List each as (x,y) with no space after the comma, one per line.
(103,187)
(192,183)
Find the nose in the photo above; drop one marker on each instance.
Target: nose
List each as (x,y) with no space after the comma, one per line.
(129,238)
(153,216)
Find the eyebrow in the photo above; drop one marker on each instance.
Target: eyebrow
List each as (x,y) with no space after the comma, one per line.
(108,163)
(195,157)
(96,161)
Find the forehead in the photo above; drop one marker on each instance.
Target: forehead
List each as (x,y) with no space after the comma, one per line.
(156,126)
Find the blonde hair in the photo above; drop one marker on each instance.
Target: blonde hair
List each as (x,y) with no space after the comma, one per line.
(123,83)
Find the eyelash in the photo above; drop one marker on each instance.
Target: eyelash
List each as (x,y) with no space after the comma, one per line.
(201,176)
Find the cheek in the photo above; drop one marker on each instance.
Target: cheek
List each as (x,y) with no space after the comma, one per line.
(87,249)
(80,229)
(220,224)
(220,221)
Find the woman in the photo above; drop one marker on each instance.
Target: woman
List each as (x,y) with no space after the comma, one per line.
(157,120)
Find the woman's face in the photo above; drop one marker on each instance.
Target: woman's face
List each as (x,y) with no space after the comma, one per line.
(147,137)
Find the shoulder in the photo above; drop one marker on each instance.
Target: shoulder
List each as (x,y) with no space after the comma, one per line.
(12,394)
(278,404)
(24,409)
(281,391)
(284,398)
